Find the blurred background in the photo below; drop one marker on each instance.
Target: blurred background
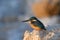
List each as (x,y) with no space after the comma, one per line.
(12,12)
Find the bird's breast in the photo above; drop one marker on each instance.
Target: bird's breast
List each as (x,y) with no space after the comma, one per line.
(35,27)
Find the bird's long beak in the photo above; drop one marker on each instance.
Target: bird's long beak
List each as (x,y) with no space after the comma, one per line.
(26,21)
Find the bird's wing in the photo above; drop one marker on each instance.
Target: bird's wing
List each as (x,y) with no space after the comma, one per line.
(39,24)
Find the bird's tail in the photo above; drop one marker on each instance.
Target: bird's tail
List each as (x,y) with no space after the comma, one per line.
(45,30)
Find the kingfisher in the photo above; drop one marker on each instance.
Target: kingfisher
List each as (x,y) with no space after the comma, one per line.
(35,23)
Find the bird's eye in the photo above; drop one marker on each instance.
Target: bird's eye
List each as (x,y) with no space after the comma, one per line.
(33,20)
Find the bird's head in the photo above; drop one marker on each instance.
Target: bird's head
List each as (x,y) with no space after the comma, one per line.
(31,19)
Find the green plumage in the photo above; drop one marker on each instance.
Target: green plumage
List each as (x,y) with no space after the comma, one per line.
(36,23)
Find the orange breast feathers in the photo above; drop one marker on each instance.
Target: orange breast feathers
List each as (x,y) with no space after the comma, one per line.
(35,27)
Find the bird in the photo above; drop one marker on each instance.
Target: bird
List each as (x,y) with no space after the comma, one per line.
(35,23)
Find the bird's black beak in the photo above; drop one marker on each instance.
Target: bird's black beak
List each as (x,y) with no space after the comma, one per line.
(26,21)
